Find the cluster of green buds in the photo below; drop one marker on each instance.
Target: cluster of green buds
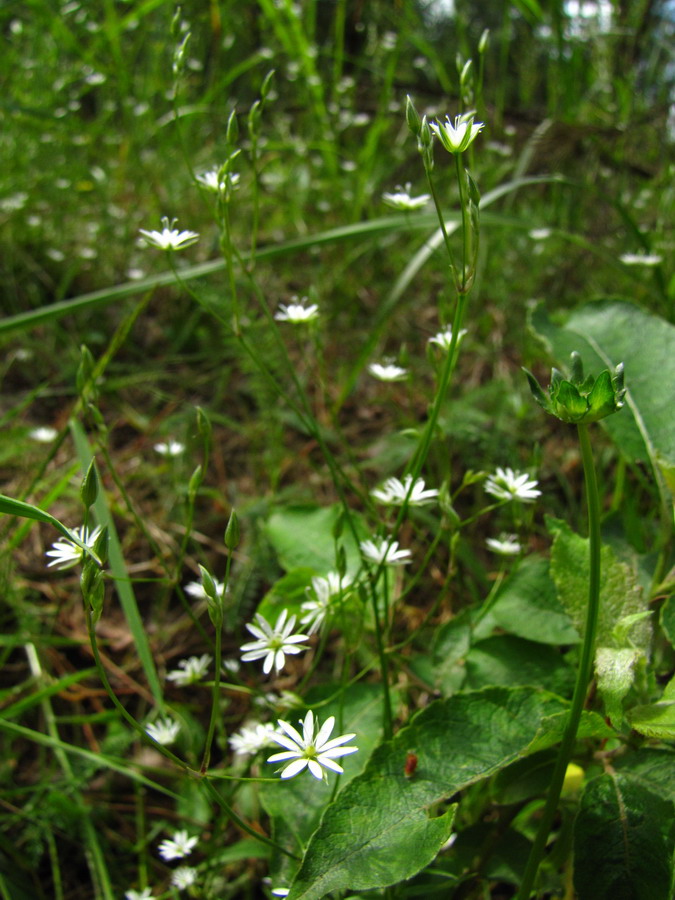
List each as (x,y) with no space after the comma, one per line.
(580,400)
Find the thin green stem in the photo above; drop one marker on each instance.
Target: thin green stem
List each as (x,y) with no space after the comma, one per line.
(583,673)
(218,655)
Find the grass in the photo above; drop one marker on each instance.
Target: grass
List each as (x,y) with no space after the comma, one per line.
(111,111)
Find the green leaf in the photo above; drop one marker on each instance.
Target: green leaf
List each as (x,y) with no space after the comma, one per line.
(653,768)
(553,727)
(378,831)
(668,618)
(620,592)
(623,842)
(605,334)
(655,720)
(444,667)
(302,537)
(508,660)
(528,606)
(615,672)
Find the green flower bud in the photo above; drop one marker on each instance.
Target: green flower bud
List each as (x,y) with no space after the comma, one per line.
(266,86)
(214,599)
(89,489)
(412,117)
(578,399)
(232,532)
(232,130)
(484,40)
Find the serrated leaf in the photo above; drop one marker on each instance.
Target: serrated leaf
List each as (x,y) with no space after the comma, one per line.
(528,606)
(605,334)
(620,592)
(615,673)
(655,720)
(378,832)
(623,842)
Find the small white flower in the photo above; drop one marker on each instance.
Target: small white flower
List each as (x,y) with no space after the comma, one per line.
(213,182)
(169,238)
(66,553)
(311,749)
(393,492)
(164,731)
(387,371)
(251,738)
(190,670)
(506,484)
(383,551)
(641,259)
(456,138)
(177,847)
(280,892)
(296,312)
(401,199)
(44,435)
(196,589)
(231,665)
(183,877)
(145,894)
(539,234)
(325,588)
(169,448)
(505,545)
(273,643)
(444,338)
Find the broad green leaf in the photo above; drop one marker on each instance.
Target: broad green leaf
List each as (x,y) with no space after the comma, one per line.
(667,617)
(507,660)
(528,606)
(620,592)
(443,668)
(302,537)
(655,720)
(623,841)
(289,592)
(615,673)
(502,858)
(553,727)
(604,333)
(378,831)
(653,768)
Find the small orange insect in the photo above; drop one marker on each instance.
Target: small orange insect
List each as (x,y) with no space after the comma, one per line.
(410,765)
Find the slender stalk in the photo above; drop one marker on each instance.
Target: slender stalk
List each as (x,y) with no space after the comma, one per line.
(218,658)
(583,673)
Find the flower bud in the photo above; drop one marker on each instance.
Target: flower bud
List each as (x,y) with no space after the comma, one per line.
(412,117)
(89,489)
(580,400)
(232,534)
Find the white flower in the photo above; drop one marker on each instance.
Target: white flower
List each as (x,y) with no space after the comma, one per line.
(326,588)
(311,749)
(44,435)
(169,448)
(164,731)
(231,665)
(641,259)
(212,182)
(539,234)
(177,847)
(273,643)
(444,338)
(505,545)
(190,670)
(280,892)
(456,138)
(183,877)
(251,738)
(196,589)
(169,238)
(382,551)
(393,492)
(145,894)
(506,484)
(296,312)
(402,200)
(66,553)
(387,371)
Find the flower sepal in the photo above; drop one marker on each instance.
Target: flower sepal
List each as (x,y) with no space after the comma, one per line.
(579,399)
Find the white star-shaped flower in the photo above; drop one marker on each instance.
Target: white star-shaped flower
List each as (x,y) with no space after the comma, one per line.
(43,435)
(444,338)
(401,199)
(326,588)
(393,492)
(383,551)
(273,643)
(506,484)
(190,670)
(177,847)
(456,138)
(505,545)
(169,448)
(183,877)
(164,731)
(213,182)
(169,238)
(312,749)
(296,312)
(387,371)
(196,589)
(66,553)
(251,738)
